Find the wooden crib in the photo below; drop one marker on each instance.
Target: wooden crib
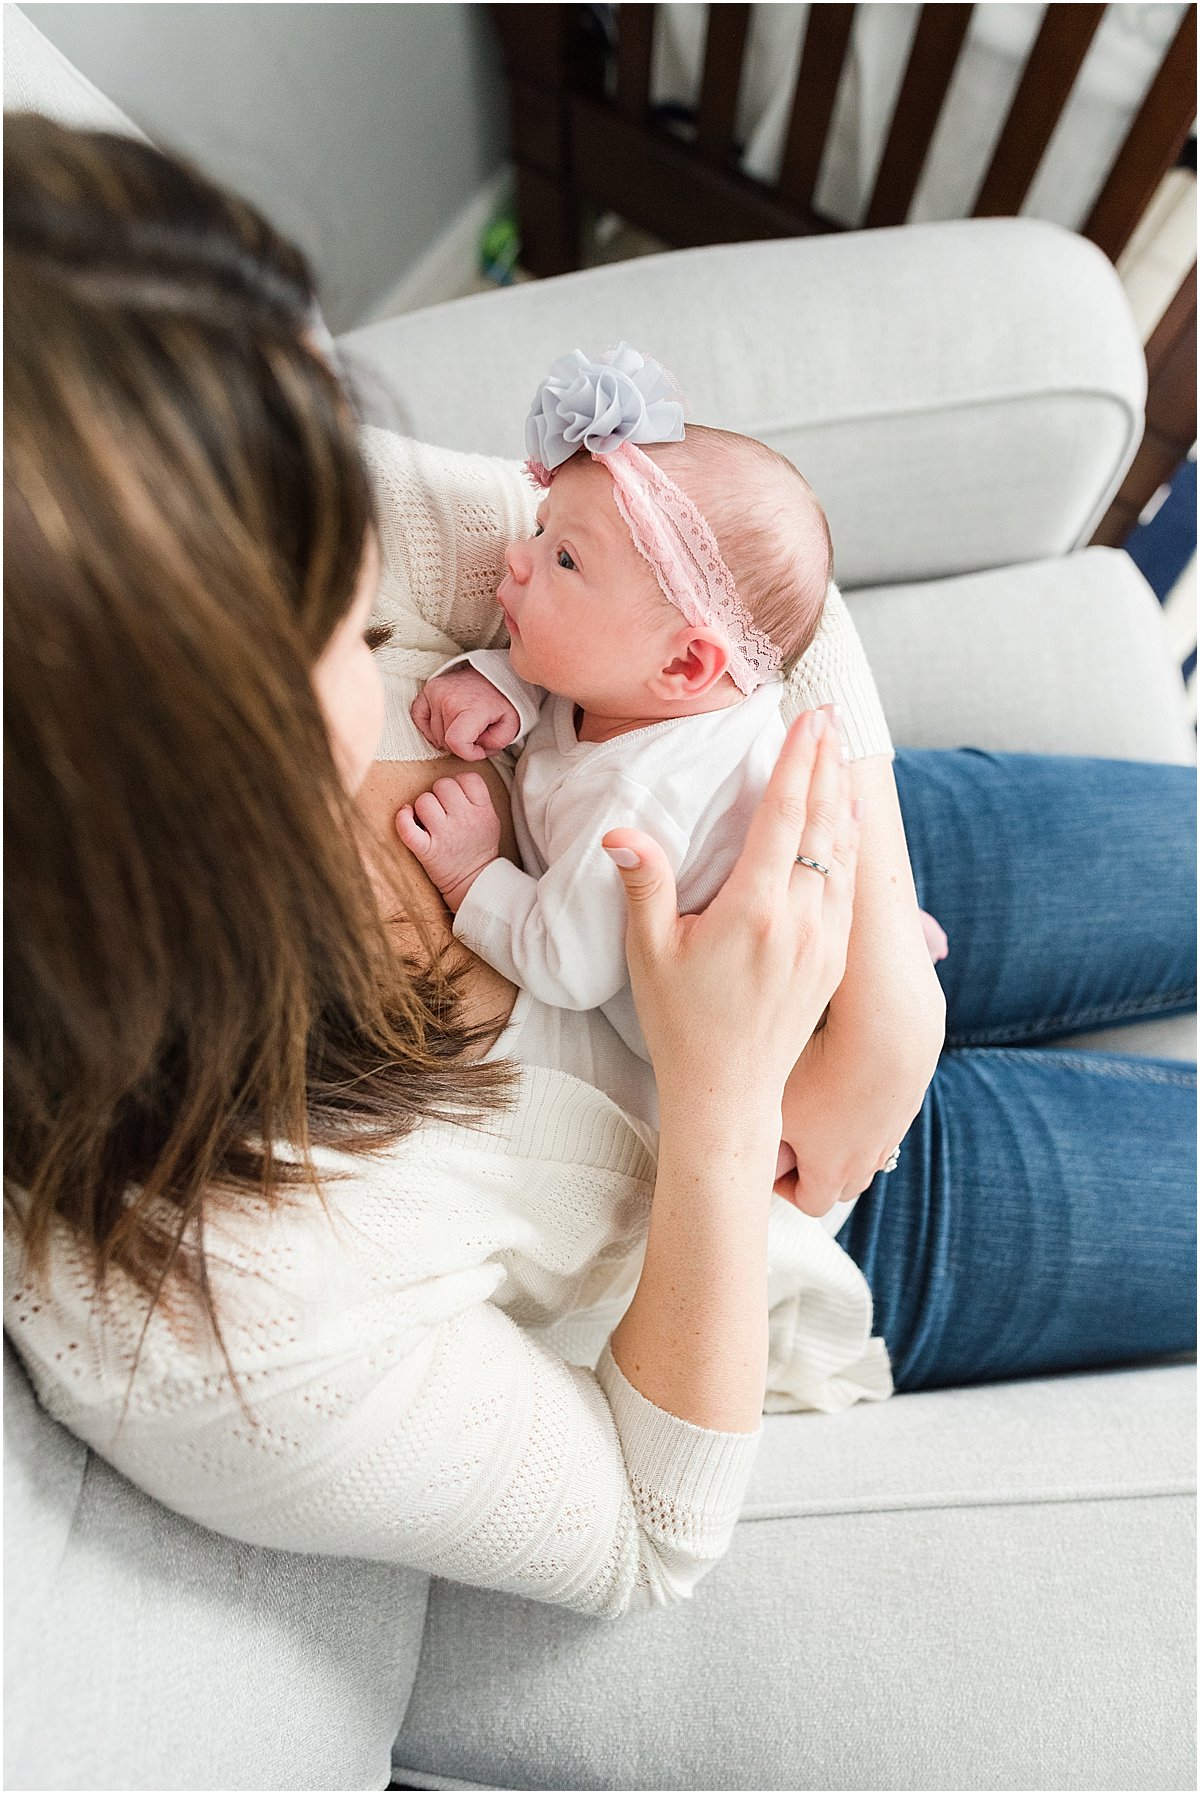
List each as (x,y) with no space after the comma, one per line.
(574,148)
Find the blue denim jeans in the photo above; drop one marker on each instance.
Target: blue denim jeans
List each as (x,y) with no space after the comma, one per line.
(1043,1213)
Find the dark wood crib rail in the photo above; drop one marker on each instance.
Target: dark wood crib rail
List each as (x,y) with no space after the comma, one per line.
(575,147)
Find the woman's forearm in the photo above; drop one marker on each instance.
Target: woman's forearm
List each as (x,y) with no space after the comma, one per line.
(854,1091)
(890,998)
(694,1338)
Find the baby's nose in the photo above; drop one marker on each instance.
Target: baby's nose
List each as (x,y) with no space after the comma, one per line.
(516,559)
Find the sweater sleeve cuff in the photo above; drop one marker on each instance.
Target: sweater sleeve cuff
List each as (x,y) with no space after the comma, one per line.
(400,738)
(683,1476)
(835,670)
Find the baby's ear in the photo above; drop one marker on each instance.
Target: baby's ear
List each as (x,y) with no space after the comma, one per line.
(699,661)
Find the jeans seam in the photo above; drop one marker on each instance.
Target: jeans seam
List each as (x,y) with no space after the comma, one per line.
(1104,1065)
(1078,1018)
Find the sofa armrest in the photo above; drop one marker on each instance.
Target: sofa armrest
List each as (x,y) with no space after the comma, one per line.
(961,395)
(39,78)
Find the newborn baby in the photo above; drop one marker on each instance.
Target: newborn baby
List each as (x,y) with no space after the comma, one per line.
(655,718)
(675,578)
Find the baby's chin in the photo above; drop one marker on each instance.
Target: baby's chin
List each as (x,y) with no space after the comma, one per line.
(522,662)
(526,666)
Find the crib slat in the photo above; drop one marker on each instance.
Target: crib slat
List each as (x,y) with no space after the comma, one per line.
(724,49)
(826,42)
(1043,90)
(939,38)
(1155,139)
(635,46)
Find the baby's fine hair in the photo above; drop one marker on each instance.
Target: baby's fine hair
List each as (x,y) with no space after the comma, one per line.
(769,525)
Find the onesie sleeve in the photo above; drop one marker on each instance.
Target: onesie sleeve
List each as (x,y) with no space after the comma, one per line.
(562,936)
(834,670)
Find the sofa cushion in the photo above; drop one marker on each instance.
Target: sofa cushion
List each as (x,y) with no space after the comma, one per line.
(1069,656)
(963,394)
(956,1589)
(1066,656)
(145,1652)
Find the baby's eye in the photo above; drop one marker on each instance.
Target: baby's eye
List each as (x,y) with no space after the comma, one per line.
(564,560)
(538,530)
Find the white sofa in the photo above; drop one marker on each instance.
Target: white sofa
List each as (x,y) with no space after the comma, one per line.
(996,1582)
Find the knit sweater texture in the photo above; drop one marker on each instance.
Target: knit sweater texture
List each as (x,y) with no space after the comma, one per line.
(423,1355)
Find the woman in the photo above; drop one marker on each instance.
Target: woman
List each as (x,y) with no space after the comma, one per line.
(263,1251)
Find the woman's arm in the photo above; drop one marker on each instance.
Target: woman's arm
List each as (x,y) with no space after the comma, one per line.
(412,1421)
(727,1000)
(860,1082)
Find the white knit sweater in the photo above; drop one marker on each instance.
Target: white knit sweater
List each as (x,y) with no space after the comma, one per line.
(424,1357)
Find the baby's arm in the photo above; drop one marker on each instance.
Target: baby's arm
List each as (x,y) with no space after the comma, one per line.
(476,705)
(560,936)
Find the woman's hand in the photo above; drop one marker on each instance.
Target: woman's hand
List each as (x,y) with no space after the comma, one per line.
(841,1123)
(462,713)
(728,999)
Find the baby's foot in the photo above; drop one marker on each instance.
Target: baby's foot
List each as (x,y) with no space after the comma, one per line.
(935,936)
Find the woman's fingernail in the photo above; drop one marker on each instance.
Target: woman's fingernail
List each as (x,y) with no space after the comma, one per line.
(857,807)
(816,724)
(623,856)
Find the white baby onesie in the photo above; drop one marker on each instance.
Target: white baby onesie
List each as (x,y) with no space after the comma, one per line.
(557,928)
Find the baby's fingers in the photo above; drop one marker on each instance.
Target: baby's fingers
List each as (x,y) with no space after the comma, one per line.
(474,787)
(462,735)
(414,837)
(422,714)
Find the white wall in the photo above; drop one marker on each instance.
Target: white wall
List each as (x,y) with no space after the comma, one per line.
(360,130)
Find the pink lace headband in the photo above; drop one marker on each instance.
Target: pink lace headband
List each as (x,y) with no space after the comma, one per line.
(607,406)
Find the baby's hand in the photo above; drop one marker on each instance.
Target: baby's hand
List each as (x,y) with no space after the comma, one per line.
(454,831)
(463,713)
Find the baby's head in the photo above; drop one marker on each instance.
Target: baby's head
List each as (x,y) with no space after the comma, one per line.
(586,613)
(772,533)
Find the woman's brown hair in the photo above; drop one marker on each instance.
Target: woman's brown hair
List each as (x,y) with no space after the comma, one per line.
(196,968)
